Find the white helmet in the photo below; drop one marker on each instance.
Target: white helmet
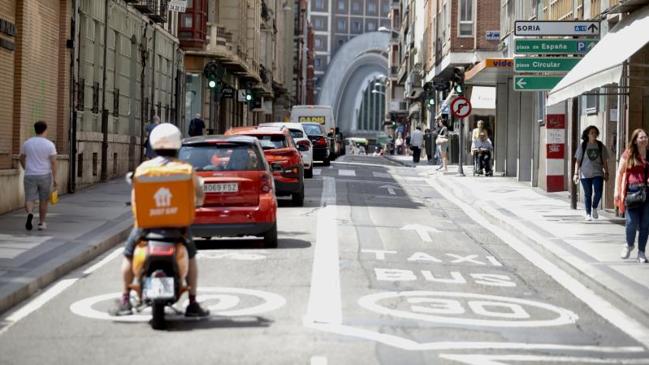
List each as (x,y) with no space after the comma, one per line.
(165,136)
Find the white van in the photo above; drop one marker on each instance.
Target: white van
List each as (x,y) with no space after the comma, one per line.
(321,114)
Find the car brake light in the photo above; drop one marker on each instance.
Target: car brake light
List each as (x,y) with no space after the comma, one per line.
(320,141)
(266,183)
(304,143)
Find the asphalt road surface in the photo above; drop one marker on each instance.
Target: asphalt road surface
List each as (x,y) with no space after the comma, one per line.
(377,268)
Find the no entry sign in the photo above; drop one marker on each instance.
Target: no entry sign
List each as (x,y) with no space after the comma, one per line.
(461,107)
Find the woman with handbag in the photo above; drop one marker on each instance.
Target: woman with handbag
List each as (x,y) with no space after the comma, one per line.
(442,143)
(591,168)
(631,195)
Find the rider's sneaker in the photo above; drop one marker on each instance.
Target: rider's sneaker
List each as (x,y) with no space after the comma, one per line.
(122,308)
(195,310)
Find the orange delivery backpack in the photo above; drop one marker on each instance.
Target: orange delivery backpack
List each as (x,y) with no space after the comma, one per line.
(164,195)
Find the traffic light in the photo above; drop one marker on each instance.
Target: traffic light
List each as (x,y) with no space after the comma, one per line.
(458,80)
(213,73)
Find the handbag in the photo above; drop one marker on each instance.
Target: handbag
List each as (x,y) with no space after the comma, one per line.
(441,140)
(637,198)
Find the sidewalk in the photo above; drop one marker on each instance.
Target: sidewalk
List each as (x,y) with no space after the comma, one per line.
(80,227)
(589,249)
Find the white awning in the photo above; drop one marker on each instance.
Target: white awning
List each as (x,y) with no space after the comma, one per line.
(603,64)
(483,99)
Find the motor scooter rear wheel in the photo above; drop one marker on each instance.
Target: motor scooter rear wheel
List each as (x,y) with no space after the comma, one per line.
(158,319)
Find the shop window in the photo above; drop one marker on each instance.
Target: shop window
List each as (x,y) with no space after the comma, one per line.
(591,103)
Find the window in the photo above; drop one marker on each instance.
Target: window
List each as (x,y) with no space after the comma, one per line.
(356,26)
(356,7)
(466,18)
(318,23)
(341,25)
(386,9)
(591,103)
(371,26)
(318,43)
(371,8)
(187,21)
(318,62)
(340,42)
(341,5)
(319,4)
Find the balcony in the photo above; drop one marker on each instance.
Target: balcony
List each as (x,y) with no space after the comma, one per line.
(160,11)
(145,6)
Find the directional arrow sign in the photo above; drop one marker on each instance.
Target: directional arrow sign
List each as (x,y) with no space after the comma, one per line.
(422,231)
(390,189)
(568,28)
(541,64)
(552,46)
(535,83)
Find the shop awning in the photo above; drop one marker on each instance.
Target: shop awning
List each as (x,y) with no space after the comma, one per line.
(483,100)
(490,72)
(604,63)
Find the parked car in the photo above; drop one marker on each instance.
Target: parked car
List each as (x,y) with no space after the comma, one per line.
(321,143)
(301,140)
(238,185)
(283,157)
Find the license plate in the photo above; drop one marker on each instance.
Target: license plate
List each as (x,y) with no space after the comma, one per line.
(222,188)
(159,288)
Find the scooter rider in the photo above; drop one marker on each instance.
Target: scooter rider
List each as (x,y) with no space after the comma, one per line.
(165,140)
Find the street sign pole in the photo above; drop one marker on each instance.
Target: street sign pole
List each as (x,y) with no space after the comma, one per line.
(460,170)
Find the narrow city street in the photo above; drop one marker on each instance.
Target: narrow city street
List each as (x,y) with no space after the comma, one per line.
(378,267)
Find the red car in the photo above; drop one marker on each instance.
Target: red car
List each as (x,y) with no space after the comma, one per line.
(238,185)
(283,156)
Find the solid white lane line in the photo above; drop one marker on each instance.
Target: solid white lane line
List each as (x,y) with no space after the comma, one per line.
(346,172)
(104,261)
(381,175)
(318,360)
(598,304)
(484,359)
(325,305)
(37,302)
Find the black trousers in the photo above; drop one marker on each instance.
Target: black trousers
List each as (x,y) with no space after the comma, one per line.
(416,154)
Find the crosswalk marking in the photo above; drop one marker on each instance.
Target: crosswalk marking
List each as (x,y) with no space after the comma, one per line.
(346,172)
(383,175)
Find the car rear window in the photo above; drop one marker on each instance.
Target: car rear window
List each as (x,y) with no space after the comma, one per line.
(296,133)
(272,141)
(222,157)
(312,129)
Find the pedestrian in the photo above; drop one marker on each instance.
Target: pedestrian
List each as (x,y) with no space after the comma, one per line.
(399,144)
(38,159)
(442,144)
(429,145)
(149,153)
(630,193)
(196,126)
(591,168)
(416,142)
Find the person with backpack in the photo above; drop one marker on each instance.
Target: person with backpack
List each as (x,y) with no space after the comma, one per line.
(196,126)
(591,168)
(631,193)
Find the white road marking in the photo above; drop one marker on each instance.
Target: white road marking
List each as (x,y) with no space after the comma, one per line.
(110,257)
(37,302)
(318,360)
(346,172)
(421,230)
(485,359)
(390,188)
(242,256)
(325,304)
(598,304)
(381,175)
(317,172)
(226,301)
(365,164)
(446,304)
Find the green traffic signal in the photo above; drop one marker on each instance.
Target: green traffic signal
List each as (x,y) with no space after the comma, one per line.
(459,89)
(212,84)
(248,97)
(431,102)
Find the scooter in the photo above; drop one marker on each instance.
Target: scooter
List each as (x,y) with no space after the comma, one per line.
(160,266)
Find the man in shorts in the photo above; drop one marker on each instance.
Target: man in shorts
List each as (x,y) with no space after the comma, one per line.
(38,159)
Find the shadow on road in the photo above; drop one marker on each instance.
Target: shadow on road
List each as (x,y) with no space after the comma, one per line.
(216,322)
(250,243)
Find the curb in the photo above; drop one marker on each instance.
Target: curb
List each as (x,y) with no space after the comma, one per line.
(39,278)
(400,162)
(545,250)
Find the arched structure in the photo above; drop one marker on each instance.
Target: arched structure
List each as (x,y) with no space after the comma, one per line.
(361,59)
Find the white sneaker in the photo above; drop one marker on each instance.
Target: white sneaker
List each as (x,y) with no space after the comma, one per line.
(595,214)
(641,257)
(42,226)
(626,252)
(588,217)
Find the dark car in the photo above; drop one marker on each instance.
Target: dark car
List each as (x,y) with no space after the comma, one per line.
(321,143)
(238,185)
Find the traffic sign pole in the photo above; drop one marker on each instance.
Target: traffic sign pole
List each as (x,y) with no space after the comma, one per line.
(460,169)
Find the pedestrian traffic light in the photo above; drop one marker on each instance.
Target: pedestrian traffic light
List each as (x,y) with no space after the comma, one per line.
(458,80)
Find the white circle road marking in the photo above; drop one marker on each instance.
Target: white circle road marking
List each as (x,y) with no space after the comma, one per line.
(227,301)
(563,316)
(230,255)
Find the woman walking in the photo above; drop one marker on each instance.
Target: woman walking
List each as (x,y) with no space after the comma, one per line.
(442,143)
(591,168)
(630,195)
